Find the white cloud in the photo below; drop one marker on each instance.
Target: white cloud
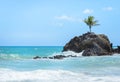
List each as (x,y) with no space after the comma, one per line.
(108,8)
(68,18)
(61,20)
(64,17)
(88,11)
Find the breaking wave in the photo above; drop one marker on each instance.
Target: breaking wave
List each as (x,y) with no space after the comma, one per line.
(7,75)
(28,56)
(67,53)
(10,56)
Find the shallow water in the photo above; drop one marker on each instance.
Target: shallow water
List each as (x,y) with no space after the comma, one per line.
(17,65)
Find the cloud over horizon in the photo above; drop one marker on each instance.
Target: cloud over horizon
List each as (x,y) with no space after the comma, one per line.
(64,17)
(88,11)
(108,8)
(68,18)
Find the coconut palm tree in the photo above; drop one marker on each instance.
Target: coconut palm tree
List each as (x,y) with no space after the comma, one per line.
(90,22)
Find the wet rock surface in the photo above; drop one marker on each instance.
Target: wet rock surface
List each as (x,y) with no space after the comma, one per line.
(54,57)
(92,44)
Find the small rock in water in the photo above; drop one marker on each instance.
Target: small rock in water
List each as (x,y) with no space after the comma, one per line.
(59,57)
(54,57)
(45,57)
(71,56)
(51,58)
(36,57)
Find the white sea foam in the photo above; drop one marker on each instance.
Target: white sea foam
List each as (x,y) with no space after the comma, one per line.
(7,75)
(10,56)
(67,53)
(72,53)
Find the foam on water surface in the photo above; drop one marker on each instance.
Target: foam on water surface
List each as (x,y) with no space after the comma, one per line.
(28,56)
(17,65)
(7,75)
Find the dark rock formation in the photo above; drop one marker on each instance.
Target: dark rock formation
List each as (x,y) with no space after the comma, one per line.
(116,50)
(44,57)
(91,43)
(51,57)
(71,56)
(54,57)
(59,57)
(36,57)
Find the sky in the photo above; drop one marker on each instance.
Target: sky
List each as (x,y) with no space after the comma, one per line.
(55,22)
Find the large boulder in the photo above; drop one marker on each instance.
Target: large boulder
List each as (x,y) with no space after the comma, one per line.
(92,44)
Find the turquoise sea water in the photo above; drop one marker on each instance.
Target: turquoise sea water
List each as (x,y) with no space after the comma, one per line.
(17,65)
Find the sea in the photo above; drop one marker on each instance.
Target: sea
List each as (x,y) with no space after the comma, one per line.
(17,65)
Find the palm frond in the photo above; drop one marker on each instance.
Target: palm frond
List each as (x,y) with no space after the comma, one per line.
(91,22)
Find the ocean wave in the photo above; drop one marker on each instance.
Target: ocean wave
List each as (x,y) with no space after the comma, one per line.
(10,56)
(8,75)
(29,56)
(67,53)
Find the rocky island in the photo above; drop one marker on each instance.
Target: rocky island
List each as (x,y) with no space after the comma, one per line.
(91,44)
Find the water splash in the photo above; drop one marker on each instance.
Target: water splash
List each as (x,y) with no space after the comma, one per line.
(7,75)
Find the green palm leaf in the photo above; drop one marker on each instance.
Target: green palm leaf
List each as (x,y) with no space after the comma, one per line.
(91,22)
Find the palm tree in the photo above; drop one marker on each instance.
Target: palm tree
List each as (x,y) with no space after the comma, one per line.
(90,22)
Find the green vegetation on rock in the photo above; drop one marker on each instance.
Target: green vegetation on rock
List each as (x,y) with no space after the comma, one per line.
(91,22)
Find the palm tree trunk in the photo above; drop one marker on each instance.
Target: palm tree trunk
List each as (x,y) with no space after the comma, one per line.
(90,28)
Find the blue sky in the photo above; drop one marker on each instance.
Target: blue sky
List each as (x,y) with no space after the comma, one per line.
(55,22)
